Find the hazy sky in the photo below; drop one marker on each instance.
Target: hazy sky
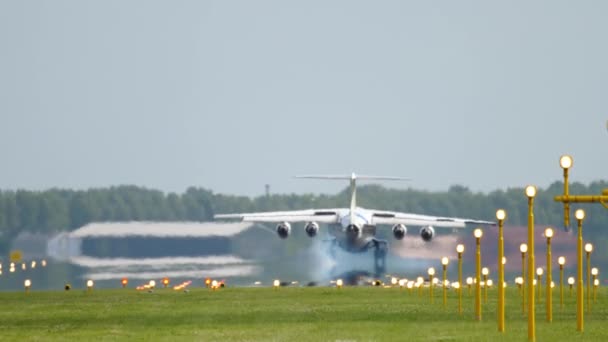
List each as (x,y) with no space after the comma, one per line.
(230,95)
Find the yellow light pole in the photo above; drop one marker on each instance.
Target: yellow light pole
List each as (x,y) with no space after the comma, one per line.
(444,264)
(523,248)
(580,216)
(519,281)
(596,284)
(561,261)
(485,271)
(419,282)
(478,233)
(501,215)
(571,283)
(549,300)
(460,250)
(530,193)
(594,273)
(588,250)
(539,273)
(565,162)
(431,272)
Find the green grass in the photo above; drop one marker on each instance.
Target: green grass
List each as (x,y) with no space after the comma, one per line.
(287,314)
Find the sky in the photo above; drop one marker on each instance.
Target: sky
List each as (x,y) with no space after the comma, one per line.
(233,95)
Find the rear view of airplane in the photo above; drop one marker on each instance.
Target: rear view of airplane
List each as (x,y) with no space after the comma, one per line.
(354,229)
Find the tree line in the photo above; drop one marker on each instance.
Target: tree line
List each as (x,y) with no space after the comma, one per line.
(56,210)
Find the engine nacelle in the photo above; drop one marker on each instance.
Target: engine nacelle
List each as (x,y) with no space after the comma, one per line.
(427,233)
(311,228)
(399,231)
(283,229)
(352,231)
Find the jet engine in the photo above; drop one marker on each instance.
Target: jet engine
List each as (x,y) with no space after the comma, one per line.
(283,229)
(427,233)
(399,231)
(311,228)
(352,231)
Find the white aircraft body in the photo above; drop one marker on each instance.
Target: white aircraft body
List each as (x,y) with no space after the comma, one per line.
(354,229)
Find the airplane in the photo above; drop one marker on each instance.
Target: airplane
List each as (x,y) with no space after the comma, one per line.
(354,229)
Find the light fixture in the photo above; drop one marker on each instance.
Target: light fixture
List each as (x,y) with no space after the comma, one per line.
(531,191)
(460,248)
(565,162)
(523,248)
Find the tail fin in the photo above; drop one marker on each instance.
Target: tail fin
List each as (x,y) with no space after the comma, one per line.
(353,186)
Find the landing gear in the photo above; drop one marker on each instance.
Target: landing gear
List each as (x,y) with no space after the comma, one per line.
(381,248)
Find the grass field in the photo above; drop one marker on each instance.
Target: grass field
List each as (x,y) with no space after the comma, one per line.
(286,314)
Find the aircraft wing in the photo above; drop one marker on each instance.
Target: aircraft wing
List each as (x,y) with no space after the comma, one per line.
(389,217)
(321,215)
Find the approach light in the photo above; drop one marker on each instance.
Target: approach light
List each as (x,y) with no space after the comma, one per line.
(460,248)
(571,281)
(565,162)
(523,248)
(596,282)
(431,271)
(410,284)
(469,280)
(124,282)
(501,214)
(165,281)
(90,284)
(539,271)
(394,281)
(504,260)
(561,261)
(43,263)
(276,283)
(549,233)
(485,271)
(214,284)
(530,191)
(579,214)
(477,233)
(339,283)
(445,261)
(420,280)
(402,282)
(152,284)
(456,285)
(594,271)
(519,280)
(435,281)
(27,284)
(588,248)
(33,265)
(489,283)
(23,266)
